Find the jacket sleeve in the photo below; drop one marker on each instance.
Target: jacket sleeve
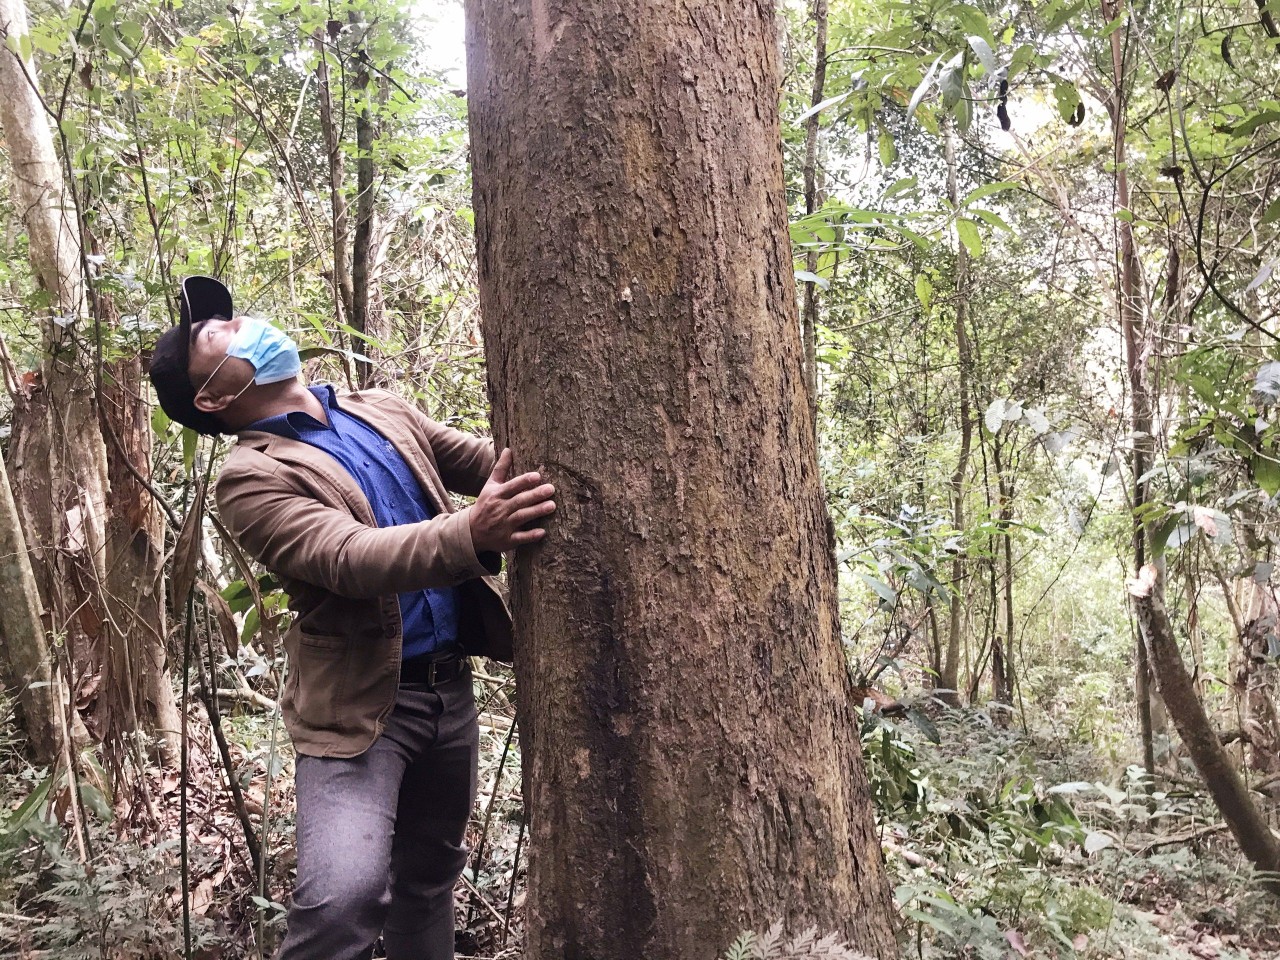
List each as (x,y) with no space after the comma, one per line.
(295,535)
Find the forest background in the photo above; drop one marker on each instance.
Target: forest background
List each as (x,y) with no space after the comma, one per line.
(1034,249)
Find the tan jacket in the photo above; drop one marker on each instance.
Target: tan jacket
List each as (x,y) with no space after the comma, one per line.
(297,511)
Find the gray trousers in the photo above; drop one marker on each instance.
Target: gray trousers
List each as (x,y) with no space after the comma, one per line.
(380,836)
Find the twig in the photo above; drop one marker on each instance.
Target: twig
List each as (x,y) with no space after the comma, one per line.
(1185,837)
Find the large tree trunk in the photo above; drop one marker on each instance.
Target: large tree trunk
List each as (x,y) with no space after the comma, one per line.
(692,765)
(137,691)
(29,674)
(58,464)
(1220,776)
(97,596)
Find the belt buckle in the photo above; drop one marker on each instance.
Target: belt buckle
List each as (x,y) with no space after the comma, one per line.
(431,673)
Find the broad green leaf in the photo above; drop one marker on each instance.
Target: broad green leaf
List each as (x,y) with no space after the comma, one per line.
(924,290)
(967,230)
(888,152)
(190,440)
(882,589)
(819,107)
(1272,213)
(951,81)
(991,218)
(805,276)
(922,90)
(985,55)
(1266,471)
(986,190)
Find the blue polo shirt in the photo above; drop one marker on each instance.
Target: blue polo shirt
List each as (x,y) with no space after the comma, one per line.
(430,616)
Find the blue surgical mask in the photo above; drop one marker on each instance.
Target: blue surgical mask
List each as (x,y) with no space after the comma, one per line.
(272,354)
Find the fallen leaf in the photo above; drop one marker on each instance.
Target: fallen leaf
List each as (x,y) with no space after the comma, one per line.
(1017,942)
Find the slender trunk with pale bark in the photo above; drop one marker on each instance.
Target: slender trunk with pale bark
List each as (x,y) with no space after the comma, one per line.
(812,200)
(691,756)
(949,675)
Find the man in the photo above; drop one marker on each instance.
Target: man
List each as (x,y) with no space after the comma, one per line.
(343,496)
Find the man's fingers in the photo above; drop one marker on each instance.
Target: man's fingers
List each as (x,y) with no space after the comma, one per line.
(502,467)
(529,497)
(530,514)
(527,536)
(526,481)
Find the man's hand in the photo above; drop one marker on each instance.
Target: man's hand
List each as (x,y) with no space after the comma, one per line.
(505,506)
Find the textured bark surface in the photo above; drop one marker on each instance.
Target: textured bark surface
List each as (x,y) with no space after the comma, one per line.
(27,664)
(691,756)
(136,687)
(91,565)
(1213,764)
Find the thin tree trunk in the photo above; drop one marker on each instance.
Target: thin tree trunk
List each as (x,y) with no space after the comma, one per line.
(337,178)
(1220,776)
(949,680)
(812,200)
(1131,324)
(691,755)
(360,249)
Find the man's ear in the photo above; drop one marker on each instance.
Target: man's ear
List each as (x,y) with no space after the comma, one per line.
(207,402)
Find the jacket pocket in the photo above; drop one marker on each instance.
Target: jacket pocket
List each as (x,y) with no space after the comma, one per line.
(321,644)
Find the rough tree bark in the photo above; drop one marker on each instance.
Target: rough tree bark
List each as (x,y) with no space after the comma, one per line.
(57,461)
(691,755)
(83,552)
(1220,776)
(28,671)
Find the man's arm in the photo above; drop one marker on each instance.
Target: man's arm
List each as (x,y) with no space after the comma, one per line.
(297,536)
(465,460)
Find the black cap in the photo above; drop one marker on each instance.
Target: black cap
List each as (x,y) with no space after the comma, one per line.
(199,299)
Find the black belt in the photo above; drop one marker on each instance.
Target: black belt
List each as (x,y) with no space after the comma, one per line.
(431,669)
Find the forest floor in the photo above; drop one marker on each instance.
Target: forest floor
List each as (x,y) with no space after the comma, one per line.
(1001,844)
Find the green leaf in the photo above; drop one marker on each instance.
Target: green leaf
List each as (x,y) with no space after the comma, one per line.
(1272,213)
(985,54)
(993,219)
(882,589)
(92,798)
(951,82)
(924,290)
(967,230)
(1250,124)
(986,190)
(819,107)
(924,724)
(1266,471)
(922,90)
(190,440)
(806,276)
(888,152)
(1067,96)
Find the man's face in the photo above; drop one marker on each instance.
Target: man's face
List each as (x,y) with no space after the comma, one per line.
(217,382)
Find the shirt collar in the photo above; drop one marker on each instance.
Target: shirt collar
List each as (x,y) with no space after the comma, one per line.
(294,423)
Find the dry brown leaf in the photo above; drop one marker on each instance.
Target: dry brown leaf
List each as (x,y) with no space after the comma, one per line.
(202,897)
(186,555)
(221,611)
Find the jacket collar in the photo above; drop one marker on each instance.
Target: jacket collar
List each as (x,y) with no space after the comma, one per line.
(379,409)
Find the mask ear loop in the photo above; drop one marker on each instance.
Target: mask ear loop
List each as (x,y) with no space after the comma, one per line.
(209,379)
